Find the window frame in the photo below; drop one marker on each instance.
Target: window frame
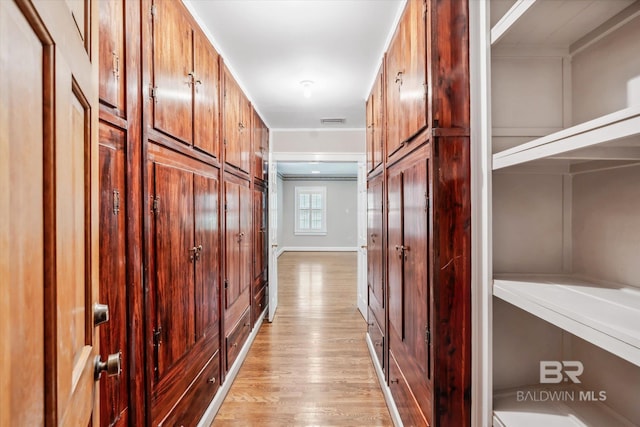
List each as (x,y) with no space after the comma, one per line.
(308,231)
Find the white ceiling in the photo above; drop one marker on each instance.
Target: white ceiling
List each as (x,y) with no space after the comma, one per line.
(272,45)
(318,169)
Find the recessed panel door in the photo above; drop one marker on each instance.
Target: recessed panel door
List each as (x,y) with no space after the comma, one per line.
(205,90)
(395,251)
(232,242)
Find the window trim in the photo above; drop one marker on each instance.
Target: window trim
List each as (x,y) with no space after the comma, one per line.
(308,232)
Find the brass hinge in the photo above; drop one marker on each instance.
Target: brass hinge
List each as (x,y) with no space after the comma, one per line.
(153,92)
(226,283)
(157,336)
(156,205)
(224,142)
(154,11)
(426,201)
(225,207)
(116,202)
(427,335)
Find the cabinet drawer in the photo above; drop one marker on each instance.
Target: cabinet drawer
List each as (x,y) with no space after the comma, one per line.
(377,338)
(237,337)
(405,402)
(259,303)
(195,401)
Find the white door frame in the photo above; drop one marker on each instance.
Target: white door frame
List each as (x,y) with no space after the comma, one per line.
(274,158)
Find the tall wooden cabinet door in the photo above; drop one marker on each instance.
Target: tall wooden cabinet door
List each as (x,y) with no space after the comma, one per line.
(172,70)
(112,61)
(174,258)
(374,239)
(49,204)
(205,101)
(208,261)
(258,233)
(414,81)
(244,133)
(114,395)
(369,135)
(416,239)
(395,68)
(260,146)
(232,119)
(246,258)
(395,252)
(232,242)
(377,117)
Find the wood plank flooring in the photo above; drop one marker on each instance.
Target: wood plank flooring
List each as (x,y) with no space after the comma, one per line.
(311,366)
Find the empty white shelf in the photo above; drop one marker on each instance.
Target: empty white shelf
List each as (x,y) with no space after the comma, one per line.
(561,412)
(623,126)
(554,22)
(605,315)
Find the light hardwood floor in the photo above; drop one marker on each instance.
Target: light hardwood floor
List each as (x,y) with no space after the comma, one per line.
(311,365)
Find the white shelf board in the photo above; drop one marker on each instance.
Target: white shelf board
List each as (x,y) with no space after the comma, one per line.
(622,124)
(603,314)
(553,22)
(561,412)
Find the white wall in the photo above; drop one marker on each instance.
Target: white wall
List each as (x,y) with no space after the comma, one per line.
(318,141)
(341,215)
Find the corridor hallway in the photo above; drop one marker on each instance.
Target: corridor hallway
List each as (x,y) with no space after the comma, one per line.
(311,365)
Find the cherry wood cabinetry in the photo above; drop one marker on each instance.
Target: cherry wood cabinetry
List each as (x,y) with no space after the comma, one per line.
(260,254)
(419,270)
(185,79)
(375,122)
(236,124)
(112,62)
(260,147)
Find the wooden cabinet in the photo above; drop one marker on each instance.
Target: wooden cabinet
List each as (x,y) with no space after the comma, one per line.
(375,122)
(260,147)
(112,83)
(419,269)
(236,124)
(185,207)
(565,267)
(260,254)
(406,79)
(185,87)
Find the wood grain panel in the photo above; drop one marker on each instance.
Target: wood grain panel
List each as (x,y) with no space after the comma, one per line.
(231,119)
(114,394)
(112,61)
(369,132)
(395,68)
(246,241)
(22,373)
(232,242)
(395,255)
(259,228)
(207,269)
(375,248)
(403,396)
(414,80)
(172,65)
(378,118)
(174,293)
(205,97)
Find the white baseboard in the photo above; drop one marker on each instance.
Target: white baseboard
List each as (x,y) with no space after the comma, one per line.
(218,399)
(319,249)
(391,404)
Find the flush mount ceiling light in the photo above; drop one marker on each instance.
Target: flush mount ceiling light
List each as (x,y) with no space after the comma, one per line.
(306,88)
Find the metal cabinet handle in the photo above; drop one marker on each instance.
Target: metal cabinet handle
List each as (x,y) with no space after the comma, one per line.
(113,366)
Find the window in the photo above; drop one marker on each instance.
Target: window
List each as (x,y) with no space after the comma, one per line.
(311,210)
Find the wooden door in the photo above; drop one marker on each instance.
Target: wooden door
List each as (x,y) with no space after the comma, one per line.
(416,304)
(207,266)
(374,239)
(49,207)
(378,118)
(395,252)
(174,258)
(113,271)
(369,135)
(112,60)
(232,120)
(258,232)
(232,242)
(414,80)
(395,68)
(172,70)
(244,133)
(245,240)
(260,144)
(205,101)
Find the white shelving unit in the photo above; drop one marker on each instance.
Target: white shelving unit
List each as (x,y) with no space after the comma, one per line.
(565,108)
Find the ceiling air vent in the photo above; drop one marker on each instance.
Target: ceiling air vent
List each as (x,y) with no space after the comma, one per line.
(333,121)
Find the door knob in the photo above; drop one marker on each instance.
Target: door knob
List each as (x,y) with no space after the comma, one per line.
(100,314)
(113,366)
